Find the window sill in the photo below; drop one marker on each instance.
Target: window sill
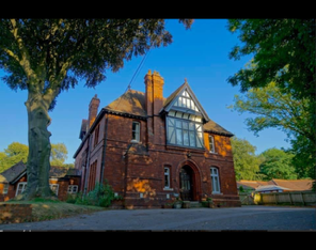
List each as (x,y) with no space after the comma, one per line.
(167,189)
(192,150)
(213,153)
(134,141)
(217,193)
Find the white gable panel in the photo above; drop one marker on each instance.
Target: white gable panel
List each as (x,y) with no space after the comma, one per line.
(184,100)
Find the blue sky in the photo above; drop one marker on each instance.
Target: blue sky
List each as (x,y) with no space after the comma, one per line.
(199,54)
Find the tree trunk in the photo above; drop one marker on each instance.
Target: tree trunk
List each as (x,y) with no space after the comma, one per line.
(38,165)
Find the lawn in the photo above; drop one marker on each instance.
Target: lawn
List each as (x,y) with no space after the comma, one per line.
(48,210)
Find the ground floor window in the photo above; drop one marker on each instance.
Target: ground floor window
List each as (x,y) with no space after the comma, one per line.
(215,180)
(54,188)
(21,187)
(167,177)
(72,189)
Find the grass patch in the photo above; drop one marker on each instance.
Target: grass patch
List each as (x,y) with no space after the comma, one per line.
(49,210)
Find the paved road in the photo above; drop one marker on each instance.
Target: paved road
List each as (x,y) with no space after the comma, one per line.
(243,218)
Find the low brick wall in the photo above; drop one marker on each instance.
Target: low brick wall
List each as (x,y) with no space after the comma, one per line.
(15,213)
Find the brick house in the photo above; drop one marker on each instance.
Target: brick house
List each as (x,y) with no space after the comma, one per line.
(153,149)
(62,181)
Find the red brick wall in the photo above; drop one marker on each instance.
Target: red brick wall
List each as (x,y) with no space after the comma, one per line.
(144,174)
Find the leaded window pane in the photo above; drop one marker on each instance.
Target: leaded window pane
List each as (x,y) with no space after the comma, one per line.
(192,139)
(179,136)
(185,138)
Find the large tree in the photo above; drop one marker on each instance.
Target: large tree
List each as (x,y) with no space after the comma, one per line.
(47,56)
(272,108)
(277,164)
(246,163)
(283,52)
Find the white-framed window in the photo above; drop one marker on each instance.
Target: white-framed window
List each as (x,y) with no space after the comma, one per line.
(54,188)
(211,143)
(167,177)
(184,130)
(215,180)
(136,131)
(5,188)
(21,187)
(72,189)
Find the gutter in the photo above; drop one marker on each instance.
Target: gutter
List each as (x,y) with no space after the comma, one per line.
(104,149)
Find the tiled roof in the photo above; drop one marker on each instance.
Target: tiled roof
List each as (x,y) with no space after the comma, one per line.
(16,170)
(291,185)
(59,172)
(131,102)
(251,184)
(13,172)
(212,126)
(295,185)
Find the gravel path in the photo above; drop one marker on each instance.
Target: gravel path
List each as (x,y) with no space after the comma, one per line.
(271,218)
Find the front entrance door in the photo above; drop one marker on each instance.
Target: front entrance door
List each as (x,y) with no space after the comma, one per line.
(186,187)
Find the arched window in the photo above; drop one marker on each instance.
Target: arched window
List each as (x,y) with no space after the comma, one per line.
(215,181)
(211,143)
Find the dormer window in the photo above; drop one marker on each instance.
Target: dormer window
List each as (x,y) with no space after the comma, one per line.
(136,131)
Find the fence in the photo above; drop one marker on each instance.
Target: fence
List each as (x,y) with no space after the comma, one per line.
(295,198)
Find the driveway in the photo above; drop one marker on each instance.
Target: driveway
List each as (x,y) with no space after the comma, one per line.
(271,218)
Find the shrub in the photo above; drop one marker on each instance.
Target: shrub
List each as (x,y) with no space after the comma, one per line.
(102,195)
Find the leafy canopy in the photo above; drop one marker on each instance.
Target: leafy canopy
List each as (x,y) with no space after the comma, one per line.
(246,163)
(17,152)
(277,164)
(47,56)
(283,51)
(284,65)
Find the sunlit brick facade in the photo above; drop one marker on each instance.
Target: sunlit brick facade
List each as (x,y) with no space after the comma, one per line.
(152,149)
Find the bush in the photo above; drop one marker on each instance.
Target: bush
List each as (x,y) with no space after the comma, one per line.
(102,195)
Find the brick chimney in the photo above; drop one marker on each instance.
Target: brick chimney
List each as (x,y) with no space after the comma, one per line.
(154,93)
(153,104)
(93,110)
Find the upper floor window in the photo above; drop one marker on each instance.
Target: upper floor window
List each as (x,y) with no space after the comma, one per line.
(167,177)
(184,130)
(5,188)
(211,143)
(215,180)
(21,188)
(136,131)
(96,137)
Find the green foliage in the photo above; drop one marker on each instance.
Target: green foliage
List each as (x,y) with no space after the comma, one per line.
(17,152)
(281,110)
(246,163)
(102,195)
(277,164)
(58,154)
(284,54)
(283,51)
(38,54)
(241,189)
(13,154)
